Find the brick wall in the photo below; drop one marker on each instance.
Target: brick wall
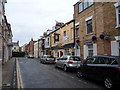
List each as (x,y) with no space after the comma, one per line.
(104,21)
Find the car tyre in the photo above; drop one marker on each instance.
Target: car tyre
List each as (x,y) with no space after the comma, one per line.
(79,74)
(65,68)
(44,62)
(40,61)
(108,83)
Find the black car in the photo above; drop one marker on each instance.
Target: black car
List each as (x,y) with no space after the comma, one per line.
(103,68)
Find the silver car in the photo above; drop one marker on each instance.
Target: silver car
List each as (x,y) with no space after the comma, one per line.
(67,62)
(47,59)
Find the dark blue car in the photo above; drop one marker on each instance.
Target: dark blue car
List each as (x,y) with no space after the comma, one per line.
(103,68)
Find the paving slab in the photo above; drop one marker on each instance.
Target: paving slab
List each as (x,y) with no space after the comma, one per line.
(7,73)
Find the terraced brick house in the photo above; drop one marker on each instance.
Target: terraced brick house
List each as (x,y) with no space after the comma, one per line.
(97,28)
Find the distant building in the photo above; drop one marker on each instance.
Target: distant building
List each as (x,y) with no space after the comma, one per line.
(41,47)
(16,47)
(60,41)
(23,48)
(36,48)
(29,48)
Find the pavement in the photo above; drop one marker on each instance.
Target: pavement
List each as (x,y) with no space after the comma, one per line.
(7,73)
(0,74)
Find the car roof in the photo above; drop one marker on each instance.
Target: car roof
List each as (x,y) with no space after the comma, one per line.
(69,56)
(107,56)
(47,55)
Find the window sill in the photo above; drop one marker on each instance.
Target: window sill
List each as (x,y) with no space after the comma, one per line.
(118,26)
(89,34)
(77,36)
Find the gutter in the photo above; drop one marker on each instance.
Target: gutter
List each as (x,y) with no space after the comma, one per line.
(17,81)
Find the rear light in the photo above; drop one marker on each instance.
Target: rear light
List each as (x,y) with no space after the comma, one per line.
(117,68)
(70,62)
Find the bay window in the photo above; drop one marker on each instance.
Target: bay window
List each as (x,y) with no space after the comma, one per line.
(85,4)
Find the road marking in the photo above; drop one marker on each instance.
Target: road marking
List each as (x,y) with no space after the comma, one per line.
(19,81)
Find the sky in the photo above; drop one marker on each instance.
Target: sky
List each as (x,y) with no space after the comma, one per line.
(30,18)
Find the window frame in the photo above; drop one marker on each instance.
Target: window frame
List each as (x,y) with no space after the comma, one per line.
(80,7)
(90,49)
(64,33)
(117,7)
(82,3)
(77,31)
(88,24)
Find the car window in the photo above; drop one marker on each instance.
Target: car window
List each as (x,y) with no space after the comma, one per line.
(50,57)
(105,60)
(62,58)
(102,60)
(90,60)
(96,61)
(65,58)
(75,58)
(113,61)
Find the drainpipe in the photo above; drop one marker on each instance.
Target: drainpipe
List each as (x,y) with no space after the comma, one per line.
(74,35)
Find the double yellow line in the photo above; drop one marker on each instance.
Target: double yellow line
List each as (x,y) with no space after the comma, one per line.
(19,79)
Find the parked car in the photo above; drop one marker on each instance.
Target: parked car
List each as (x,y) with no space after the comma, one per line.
(30,56)
(67,62)
(47,59)
(102,68)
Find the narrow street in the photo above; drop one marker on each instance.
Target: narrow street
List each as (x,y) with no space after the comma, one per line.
(37,75)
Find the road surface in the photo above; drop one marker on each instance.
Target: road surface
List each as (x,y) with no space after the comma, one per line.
(37,75)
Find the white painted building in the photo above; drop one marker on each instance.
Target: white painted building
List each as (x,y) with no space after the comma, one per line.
(47,45)
(36,53)
(16,47)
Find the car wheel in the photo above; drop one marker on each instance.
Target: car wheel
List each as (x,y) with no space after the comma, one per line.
(108,83)
(65,68)
(40,61)
(44,62)
(79,74)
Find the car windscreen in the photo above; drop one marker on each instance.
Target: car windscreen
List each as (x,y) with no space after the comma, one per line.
(75,58)
(50,57)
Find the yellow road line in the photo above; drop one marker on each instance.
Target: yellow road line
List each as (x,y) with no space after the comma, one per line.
(19,78)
